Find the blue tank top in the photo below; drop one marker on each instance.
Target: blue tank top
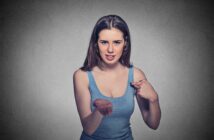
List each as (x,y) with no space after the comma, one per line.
(117,125)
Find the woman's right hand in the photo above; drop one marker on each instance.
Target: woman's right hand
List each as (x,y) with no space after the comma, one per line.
(103,106)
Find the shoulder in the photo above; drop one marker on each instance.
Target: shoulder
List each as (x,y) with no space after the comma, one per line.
(138,74)
(80,76)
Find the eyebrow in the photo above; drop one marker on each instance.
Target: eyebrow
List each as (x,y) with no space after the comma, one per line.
(113,40)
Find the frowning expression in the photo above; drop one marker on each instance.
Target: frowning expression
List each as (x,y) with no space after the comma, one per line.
(111,44)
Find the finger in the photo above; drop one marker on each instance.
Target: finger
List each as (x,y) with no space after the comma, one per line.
(109,106)
(97,102)
(140,81)
(109,110)
(96,105)
(134,83)
(136,86)
(103,111)
(137,83)
(101,103)
(106,111)
(143,80)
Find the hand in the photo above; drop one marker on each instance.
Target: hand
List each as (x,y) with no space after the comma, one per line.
(104,106)
(145,90)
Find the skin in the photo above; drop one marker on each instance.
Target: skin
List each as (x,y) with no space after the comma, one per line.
(147,99)
(104,106)
(111,43)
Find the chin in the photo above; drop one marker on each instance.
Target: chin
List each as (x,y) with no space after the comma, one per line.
(111,62)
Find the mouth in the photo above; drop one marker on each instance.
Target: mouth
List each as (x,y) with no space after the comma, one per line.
(110,57)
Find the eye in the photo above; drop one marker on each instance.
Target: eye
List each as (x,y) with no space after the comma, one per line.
(103,42)
(117,42)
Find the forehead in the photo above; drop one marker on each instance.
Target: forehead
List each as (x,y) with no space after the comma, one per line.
(111,34)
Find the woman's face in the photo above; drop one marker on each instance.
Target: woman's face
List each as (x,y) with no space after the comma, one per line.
(111,44)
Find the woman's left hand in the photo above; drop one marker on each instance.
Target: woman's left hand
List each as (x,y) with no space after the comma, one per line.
(145,90)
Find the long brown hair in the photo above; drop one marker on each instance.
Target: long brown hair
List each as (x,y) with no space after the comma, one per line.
(107,22)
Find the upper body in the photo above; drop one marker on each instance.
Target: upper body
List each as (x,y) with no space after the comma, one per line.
(109,72)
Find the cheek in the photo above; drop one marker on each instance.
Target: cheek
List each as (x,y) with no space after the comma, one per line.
(101,49)
(120,50)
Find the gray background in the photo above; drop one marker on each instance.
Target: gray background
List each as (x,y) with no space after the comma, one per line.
(43,42)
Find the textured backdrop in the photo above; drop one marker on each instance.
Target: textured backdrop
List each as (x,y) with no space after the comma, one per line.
(42,42)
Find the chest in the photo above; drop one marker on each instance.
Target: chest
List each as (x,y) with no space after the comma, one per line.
(112,86)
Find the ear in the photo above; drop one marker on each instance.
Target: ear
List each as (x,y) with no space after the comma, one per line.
(125,47)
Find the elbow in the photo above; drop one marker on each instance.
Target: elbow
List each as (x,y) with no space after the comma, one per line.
(88,131)
(154,124)
(154,127)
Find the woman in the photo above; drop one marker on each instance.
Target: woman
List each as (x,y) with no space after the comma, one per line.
(107,83)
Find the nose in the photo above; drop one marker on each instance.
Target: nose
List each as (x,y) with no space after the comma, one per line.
(110,48)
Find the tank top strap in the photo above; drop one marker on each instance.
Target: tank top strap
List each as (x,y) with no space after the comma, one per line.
(131,74)
(90,77)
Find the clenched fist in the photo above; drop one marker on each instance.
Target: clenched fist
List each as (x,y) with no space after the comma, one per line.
(145,90)
(104,106)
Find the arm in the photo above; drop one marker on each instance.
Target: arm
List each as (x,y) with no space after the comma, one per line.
(147,99)
(89,120)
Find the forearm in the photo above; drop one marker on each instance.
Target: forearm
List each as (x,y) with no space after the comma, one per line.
(91,122)
(154,114)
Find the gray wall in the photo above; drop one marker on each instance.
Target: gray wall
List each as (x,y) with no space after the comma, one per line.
(43,42)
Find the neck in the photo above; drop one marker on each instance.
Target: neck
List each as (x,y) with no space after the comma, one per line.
(109,68)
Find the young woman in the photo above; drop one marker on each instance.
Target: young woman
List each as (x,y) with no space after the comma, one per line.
(107,83)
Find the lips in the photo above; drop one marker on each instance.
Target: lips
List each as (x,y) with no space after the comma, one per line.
(110,57)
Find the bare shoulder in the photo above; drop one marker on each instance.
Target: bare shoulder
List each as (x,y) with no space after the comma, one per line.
(139,74)
(80,76)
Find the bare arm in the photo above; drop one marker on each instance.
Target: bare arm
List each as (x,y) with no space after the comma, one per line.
(90,120)
(147,99)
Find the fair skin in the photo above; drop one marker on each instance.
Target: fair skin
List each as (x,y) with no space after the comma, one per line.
(111,44)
